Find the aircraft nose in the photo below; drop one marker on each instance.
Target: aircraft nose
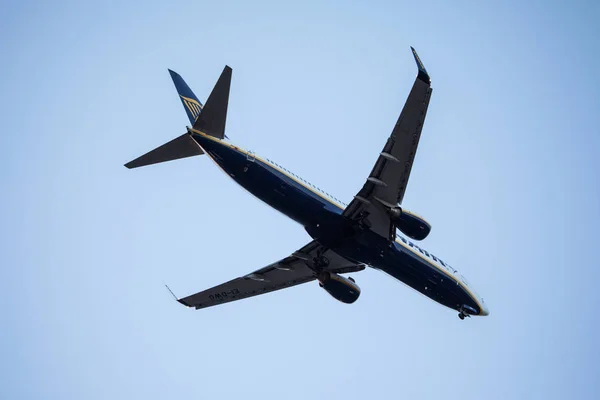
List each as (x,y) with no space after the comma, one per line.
(484,310)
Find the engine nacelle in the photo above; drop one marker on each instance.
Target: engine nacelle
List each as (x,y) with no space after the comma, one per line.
(410,224)
(341,288)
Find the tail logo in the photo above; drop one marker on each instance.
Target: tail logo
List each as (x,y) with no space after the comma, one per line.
(192,105)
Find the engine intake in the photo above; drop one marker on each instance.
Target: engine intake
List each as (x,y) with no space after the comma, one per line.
(341,288)
(410,224)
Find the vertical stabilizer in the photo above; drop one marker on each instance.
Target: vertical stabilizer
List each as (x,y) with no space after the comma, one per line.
(209,119)
(190,102)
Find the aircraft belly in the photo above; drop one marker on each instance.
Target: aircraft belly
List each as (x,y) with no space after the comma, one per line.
(375,251)
(266,184)
(325,223)
(282,194)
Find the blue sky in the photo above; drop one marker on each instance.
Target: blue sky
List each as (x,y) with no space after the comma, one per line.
(507,174)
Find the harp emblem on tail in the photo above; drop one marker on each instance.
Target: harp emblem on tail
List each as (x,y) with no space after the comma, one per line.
(192,105)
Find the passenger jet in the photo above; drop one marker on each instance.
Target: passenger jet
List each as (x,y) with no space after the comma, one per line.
(373,230)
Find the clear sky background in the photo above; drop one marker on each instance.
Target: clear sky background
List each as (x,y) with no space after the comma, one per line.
(506,172)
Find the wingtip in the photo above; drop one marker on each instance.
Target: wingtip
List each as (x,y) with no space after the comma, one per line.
(180,301)
(423,74)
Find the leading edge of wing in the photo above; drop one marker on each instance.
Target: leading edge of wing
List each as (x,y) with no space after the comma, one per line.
(423,75)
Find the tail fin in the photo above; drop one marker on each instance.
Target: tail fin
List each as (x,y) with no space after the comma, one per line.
(189,100)
(209,119)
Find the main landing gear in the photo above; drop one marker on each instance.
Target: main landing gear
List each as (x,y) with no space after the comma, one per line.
(320,262)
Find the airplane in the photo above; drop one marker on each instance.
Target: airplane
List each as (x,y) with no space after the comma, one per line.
(346,238)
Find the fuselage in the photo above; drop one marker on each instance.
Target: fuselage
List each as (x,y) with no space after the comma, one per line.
(321,215)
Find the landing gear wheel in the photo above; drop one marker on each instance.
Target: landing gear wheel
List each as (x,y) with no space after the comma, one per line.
(321,262)
(461,315)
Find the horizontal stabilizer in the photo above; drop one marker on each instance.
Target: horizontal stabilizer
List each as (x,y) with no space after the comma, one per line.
(181,147)
(214,113)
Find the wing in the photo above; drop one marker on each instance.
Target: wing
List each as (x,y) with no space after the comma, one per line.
(387,181)
(290,271)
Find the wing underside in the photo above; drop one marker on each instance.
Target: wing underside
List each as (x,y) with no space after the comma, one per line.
(386,184)
(294,270)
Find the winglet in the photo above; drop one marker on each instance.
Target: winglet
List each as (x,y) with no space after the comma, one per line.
(175,297)
(423,75)
(170,291)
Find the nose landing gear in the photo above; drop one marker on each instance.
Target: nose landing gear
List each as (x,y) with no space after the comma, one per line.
(465,312)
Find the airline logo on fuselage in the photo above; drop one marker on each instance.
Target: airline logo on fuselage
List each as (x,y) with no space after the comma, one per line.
(427,254)
(192,105)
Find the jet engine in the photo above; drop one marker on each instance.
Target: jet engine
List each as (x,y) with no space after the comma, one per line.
(410,224)
(341,288)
